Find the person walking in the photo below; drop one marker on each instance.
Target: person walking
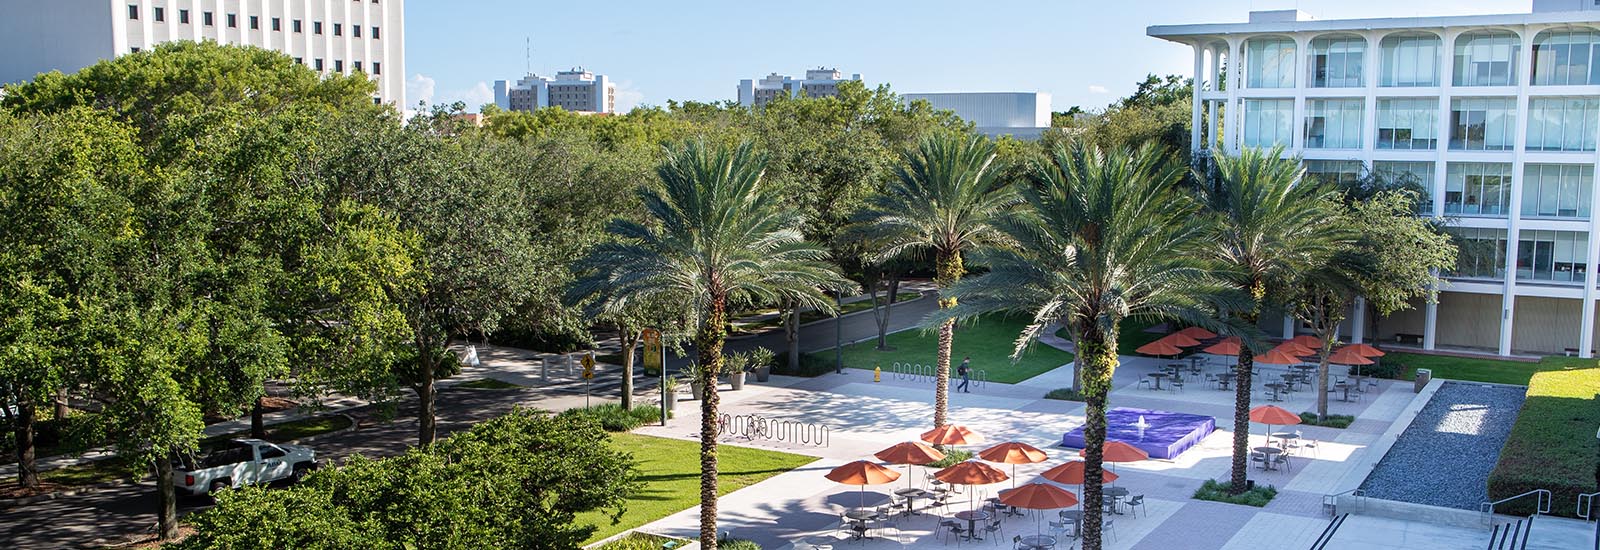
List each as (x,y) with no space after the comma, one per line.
(964,371)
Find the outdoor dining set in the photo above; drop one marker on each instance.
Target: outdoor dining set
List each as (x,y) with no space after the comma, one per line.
(985,517)
(1293,355)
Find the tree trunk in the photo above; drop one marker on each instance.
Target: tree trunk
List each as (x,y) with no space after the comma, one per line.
(425,392)
(708,345)
(258,424)
(61,405)
(166,499)
(629,339)
(894,288)
(1241,396)
(948,269)
(27,467)
(792,336)
(1098,356)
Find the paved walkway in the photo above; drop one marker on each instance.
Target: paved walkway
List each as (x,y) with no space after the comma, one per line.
(865,417)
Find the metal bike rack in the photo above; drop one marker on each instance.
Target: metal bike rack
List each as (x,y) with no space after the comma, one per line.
(753,427)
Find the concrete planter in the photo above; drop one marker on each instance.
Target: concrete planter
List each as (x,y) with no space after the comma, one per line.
(763,373)
(737,380)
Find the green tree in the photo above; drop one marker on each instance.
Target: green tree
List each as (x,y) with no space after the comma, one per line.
(716,238)
(944,202)
(1269,227)
(1103,237)
(517,481)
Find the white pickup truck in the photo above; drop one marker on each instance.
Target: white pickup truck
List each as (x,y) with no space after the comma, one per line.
(242,462)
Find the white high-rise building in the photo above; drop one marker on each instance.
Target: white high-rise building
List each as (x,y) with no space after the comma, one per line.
(1022,115)
(819,82)
(576,90)
(331,36)
(1497,116)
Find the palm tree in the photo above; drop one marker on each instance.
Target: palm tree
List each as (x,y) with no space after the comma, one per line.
(1104,237)
(945,200)
(714,238)
(1270,225)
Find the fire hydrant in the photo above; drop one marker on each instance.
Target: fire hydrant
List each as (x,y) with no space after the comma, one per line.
(877,373)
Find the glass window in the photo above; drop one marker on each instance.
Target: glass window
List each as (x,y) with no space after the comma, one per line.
(316,27)
(1414,175)
(317,63)
(1337,62)
(1556,190)
(1269,62)
(207,19)
(233,20)
(338,29)
(355,30)
(1268,122)
(375,33)
(1562,123)
(1410,60)
(338,65)
(277,23)
(1334,123)
(1483,124)
(377,67)
(133,11)
(1477,188)
(1486,59)
(1410,123)
(183,16)
(1480,253)
(255,23)
(1566,58)
(160,13)
(296,25)
(1334,171)
(1559,256)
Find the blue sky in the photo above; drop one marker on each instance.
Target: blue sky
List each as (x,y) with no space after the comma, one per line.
(1082,52)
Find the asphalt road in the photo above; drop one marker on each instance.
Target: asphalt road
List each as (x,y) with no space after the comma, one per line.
(118,514)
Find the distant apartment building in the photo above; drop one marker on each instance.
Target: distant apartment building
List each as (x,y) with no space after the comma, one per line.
(819,82)
(1022,115)
(1497,116)
(575,90)
(330,36)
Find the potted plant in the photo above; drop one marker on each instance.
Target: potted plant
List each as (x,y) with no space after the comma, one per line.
(691,372)
(762,358)
(669,394)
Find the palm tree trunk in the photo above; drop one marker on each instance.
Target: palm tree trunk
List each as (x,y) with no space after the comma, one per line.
(708,345)
(1098,356)
(948,270)
(629,339)
(1241,395)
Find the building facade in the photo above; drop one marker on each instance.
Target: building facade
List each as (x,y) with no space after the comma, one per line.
(330,36)
(819,82)
(1023,115)
(576,90)
(1496,115)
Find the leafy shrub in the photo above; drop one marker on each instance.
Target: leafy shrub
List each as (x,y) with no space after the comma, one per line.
(951,458)
(738,544)
(1388,369)
(1217,491)
(1064,394)
(639,541)
(1340,421)
(811,366)
(1551,446)
(613,418)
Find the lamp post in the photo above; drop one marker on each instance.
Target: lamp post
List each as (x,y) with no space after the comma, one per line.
(838,333)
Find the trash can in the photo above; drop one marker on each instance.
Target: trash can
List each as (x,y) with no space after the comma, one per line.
(1423,377)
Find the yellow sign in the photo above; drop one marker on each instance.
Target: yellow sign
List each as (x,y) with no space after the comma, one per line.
(652,348)
(588,365)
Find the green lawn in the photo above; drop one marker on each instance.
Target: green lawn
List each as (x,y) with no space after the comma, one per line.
(1474,369)
(1130,335)
(808,316)
(670,470)
(988,341)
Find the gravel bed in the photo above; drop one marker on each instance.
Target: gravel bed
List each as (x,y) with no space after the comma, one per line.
(1445,455)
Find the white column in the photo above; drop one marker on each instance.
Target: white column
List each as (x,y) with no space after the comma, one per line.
(1232,128)
(1301,82)
(1195,143)
(1369,115)
(1514,214)
(1288,326)
(1430,323)
(1586,337)
(1358,321)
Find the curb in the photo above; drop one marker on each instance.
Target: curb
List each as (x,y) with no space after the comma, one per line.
(354,425)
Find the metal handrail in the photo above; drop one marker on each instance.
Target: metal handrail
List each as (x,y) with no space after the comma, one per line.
(1330,502)
(1328,532)
(1545,497)
(1586,505)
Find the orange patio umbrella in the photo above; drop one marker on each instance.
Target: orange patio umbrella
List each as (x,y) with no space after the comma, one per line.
(863,473)
(1228,346)
(1198,333)
(1347,356)
(952,435)
(1366,350)
(1295,349)
(1117,451)
(1308,341)
(1273,415)
(1072,472)
(908,453)
(1039,496)
(1013,453)
(1278,356)
(970,472)
(1159,348)
(1180,339)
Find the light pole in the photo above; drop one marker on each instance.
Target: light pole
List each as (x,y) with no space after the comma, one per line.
(838,333)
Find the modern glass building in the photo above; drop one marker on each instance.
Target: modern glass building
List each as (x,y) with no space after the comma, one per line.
(1497,116)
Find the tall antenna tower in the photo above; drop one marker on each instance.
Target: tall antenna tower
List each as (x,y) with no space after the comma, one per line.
(527,54)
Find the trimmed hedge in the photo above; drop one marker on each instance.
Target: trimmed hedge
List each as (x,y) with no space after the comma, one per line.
(1552,445)
(613,418)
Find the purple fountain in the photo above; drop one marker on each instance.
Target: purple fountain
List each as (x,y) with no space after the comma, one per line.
(1163,434)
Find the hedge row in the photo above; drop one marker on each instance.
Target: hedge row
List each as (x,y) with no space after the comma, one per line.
(1552,445)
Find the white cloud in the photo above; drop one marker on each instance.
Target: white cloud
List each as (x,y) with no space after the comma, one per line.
(419,88)
(477,96)
(1098,89)
(628,97)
